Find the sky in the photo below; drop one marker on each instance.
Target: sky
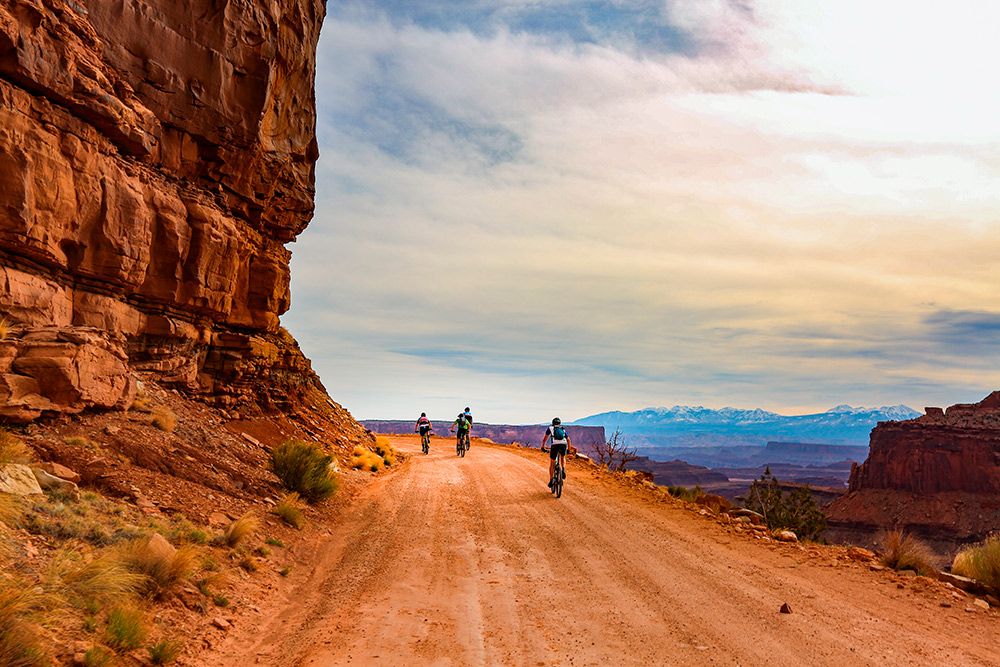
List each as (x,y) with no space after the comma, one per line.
(548,207)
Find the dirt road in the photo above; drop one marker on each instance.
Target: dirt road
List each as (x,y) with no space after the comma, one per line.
(471,561)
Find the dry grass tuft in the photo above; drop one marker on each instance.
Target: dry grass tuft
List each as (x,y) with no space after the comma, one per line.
(902,551)
(13,449)
(104,579)
(98,656)
(142,404)
(289,509)
(980,562)
(20,644)
(165,651)
(165,420)
(5,326)
(158,561)
(241,528)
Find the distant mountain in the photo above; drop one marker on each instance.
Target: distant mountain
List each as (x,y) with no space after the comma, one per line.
(694,426)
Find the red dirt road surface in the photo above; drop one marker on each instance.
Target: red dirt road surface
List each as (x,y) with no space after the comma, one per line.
(471,561)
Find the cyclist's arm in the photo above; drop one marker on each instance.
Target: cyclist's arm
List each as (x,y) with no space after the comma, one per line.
(545,438)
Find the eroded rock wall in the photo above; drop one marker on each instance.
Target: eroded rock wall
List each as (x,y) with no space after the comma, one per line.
(155,158)
(937,475)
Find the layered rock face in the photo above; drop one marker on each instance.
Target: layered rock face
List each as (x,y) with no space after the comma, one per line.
(155,157)
(937,475)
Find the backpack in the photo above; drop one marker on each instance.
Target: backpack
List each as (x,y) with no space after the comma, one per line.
(558,433)
(463,422)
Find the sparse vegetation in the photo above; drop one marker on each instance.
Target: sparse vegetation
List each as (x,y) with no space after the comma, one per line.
(249,563)
(685,494)
(156,559)
(241,528)
(798,512)
(13,449)
(304,468)
(5,326)
(614,453)
(165,651)
(164,419)
(273,541)
(980,562)
(102,579)
(902,551)
(385,450)
(285,571)
(290,509)
(126,629)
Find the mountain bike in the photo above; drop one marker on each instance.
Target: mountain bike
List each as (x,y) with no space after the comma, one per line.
(558,476)
(461,444)
(425,442)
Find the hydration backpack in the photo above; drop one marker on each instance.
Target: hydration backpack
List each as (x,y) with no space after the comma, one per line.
(558,433)
(463,422)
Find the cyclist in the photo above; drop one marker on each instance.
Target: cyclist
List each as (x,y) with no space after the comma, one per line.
(463,424)
(424,426)
(560,445)
(468,418)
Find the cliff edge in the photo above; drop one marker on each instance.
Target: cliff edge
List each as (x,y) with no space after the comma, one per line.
(155,158)
(937,475)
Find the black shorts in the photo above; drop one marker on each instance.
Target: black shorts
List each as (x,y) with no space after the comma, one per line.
(461,432)
(557,449)
(424,430)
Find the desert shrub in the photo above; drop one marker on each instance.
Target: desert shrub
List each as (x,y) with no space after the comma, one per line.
(10,509)
(304,468)
(686,494)
(249,563)
(20,644)
(980,562)
(126,629)
(383,446)
(275,542)
(615,453)
(196,536)
(797,512)
(158,561)
(358,451)
(165,420)
(241,528)
(13,449)
(165,651)
(5,326)
(902,551)
(285,571)
(142,404)
(289,509)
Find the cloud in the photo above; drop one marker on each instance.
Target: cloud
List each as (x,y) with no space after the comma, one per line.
(515,211)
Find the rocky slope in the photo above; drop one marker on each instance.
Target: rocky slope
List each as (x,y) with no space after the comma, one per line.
(157,156)
(937,475)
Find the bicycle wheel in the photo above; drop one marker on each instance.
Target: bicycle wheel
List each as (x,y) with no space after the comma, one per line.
(557,487)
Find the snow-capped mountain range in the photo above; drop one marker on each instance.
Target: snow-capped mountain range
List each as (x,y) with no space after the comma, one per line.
(842,424)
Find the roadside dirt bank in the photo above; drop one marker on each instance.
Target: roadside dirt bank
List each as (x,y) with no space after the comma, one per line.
(470,561)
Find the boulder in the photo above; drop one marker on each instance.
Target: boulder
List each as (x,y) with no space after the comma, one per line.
(53,483)
(787,536)
(19,480)
(59,470)
(860,555)
(717,504)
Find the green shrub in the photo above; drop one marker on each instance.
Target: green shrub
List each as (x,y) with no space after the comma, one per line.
(902,551)
(126,629)
(275,542)
(165,652)
(98,656)
(685,494)
(304,468)
(980,562)
(797,512)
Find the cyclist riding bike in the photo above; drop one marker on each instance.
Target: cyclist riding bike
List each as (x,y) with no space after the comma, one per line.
(560,445)
(424,426)
(468,418)
(464,425)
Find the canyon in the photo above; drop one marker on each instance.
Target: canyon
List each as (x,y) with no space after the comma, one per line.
(937,476)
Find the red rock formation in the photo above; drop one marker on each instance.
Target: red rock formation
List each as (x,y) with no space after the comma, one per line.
(155,157)
(937,475)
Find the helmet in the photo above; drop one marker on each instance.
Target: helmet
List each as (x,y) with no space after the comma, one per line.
(556,421)
(423,414)
(466,409)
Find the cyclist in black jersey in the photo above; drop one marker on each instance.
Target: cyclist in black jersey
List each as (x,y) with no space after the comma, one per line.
(560,445)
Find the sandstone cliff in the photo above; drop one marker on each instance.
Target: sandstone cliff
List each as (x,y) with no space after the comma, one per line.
(937,475)
(155,158)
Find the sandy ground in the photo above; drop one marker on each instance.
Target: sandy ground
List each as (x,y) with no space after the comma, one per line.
(471,561)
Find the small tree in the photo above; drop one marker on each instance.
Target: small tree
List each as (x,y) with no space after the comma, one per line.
(798,512)
(614,453)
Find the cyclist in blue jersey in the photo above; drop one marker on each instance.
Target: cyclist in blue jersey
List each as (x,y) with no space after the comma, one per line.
(560,445)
